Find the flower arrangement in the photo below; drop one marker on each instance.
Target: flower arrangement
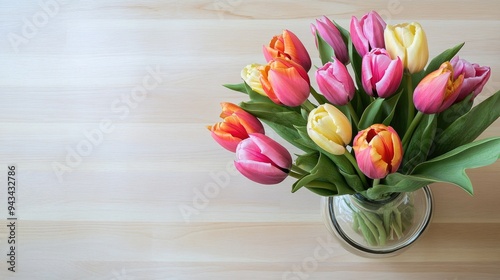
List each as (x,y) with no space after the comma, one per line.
(396,125)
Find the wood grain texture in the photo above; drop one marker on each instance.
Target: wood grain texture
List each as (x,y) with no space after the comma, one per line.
(143,192)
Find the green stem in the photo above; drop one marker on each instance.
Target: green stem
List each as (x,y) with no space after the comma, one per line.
(295,174)
(308,106)
(409,91)
(355,165)
(411,129)
(320,98)
(354,116)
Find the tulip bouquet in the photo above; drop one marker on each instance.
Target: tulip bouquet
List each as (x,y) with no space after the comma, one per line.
(396,124)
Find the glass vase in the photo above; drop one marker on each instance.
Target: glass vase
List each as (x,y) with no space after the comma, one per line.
(380,228)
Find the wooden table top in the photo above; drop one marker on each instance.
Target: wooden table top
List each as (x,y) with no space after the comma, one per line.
(103,115)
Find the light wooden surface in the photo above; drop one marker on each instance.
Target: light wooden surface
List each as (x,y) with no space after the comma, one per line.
(143,192)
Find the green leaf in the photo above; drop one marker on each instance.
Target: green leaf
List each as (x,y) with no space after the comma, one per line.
(372,114)
(420,143)
(326,52)
(274,113)
(389,107)
(449,167)
(289,134)
(446,55)
(451,114)
(257,97)
(323,178)
(469,126)
(237,87)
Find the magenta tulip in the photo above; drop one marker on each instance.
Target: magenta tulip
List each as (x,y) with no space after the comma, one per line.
(381,75)
(475,77)
(367,33)
(263,160)
(332,36)
(335,83)
(438,90)
(288,46)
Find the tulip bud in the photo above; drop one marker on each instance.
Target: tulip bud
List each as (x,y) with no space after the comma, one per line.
(288,46)
(367,33)
(237,124)
(285,82)
(329,128)
(332,36)
(378,151)
(475,77)
(335,83)
(380,75)
(251,75)
(438,90)
(263,160)
(408,41)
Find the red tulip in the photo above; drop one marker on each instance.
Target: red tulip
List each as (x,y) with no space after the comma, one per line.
(335,83)
(332,36)
(288,46)
(475,77)
(236,126)
(381,75)
(285,82)
(263,160)
(367,33)
(378,151)
(438,90)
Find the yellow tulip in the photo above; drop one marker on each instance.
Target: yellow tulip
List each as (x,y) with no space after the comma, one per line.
(251,75)
(329,128)
(408,41)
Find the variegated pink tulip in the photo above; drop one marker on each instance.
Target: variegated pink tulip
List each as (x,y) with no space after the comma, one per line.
(263,160)
(285,82)
(378,150)
(237,124)
(475,77)
(381,75)
(438,90)
(288,46)
(367,33)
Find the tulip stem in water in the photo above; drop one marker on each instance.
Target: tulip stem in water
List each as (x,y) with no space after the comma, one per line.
(355,164)
(410,129)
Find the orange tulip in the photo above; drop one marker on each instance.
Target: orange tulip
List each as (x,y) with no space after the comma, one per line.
(288,46)
(378,151)
(237,124)
(285,82)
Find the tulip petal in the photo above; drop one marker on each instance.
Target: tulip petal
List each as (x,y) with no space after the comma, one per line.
(273,150)
(288,86)
(263,173)
(390,81)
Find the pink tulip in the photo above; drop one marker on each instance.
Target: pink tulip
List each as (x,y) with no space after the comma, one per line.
(475,77)
(236,126)
(367,33)
(263,160)
(332,36)
(378,151)
(288,46)
(381,75)
(285,82)
(335,83)
(438,90)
